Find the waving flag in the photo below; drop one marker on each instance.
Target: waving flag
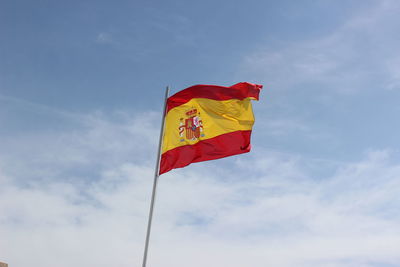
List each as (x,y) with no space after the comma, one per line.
(206,122)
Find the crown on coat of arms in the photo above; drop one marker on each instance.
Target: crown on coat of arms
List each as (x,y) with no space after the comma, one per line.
(191,112)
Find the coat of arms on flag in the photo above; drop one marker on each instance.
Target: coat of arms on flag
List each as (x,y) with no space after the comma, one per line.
(191,127)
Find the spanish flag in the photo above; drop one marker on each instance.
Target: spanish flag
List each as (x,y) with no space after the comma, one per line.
(206,122)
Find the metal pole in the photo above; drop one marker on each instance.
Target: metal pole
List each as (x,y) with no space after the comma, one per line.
(156,175)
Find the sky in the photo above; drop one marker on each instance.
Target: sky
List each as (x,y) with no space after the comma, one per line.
(81,92)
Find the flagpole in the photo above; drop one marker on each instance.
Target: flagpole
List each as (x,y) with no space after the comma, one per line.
(156,175)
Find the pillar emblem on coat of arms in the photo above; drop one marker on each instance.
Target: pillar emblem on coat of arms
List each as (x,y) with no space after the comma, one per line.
(191,127)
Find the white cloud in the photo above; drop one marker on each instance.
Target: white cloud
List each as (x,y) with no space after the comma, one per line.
(268,209)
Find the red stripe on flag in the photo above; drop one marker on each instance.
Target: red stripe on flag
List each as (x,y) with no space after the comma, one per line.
(238,91)
(221,146)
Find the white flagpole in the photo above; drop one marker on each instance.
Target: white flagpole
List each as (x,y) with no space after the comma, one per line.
(156,175)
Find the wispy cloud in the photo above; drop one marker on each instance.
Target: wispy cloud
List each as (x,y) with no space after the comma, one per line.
(105,38)
(358,55)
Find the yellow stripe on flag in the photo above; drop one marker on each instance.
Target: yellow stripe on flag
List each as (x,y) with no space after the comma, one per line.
(215,117)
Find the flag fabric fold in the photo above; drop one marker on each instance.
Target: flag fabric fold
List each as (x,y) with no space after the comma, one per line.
(206,122)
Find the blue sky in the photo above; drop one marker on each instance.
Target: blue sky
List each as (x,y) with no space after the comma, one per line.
(81,88)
